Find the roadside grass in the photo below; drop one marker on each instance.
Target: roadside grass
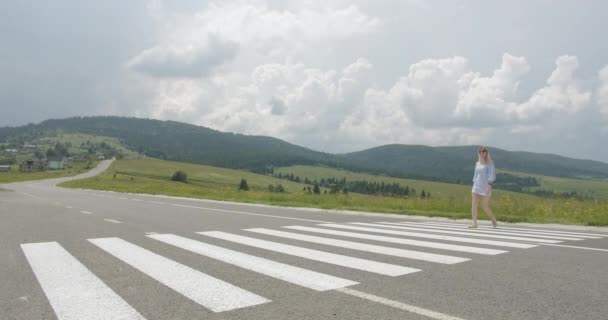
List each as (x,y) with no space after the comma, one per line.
(71,169)
(452,201)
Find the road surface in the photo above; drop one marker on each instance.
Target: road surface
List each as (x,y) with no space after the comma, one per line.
(83,254)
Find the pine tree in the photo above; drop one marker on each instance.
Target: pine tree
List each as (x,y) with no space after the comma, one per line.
(316,189)
(243,185)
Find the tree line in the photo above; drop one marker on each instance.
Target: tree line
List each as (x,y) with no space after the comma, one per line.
(342,185)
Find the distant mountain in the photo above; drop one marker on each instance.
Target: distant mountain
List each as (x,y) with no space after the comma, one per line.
(189,143)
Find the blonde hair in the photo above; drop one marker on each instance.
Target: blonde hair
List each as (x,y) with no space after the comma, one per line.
(480,158)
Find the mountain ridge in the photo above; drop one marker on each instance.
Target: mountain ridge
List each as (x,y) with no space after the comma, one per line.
(178,141)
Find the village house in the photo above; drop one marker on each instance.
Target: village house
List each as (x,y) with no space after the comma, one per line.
(33,165)
(56,163)
(4,168)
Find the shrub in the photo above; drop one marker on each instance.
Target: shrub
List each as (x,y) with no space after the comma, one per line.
(180,176)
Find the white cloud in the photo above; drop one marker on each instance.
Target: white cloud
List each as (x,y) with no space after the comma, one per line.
(195,59)
(275,86)
(561,94)
(439,102)
(488,99)
(247,22)
(440,93)
(193,44)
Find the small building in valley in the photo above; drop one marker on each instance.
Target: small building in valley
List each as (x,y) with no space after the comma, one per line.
(4,168)
(33,164)
(57,163)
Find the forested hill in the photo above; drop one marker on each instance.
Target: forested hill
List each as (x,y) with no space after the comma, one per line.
(189,143)
(456,163)
(178,141)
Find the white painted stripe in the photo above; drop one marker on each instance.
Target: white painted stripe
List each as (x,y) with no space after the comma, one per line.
(86,212)
(73,291)
(68,207)
(155,202)
(472,234)
(123,198)
(332,258)
(399,305)
(112,221)
(427,244)
(417,255)
(548,231)
(433,236)
(502,228)
(247,213)
(203,289)
(306,278)
(484,231)
(576,247)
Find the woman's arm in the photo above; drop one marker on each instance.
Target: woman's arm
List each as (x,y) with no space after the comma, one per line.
(491,173)
(474,172)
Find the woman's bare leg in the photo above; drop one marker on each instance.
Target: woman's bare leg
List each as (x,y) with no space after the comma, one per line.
(486,207)
(474,205)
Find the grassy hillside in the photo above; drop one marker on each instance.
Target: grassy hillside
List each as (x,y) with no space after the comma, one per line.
(198,175)
(80,143)
(152,176)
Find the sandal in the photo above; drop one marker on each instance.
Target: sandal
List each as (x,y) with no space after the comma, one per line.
(494,224)
(473,226)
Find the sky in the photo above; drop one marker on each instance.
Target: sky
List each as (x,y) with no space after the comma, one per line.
(334,76)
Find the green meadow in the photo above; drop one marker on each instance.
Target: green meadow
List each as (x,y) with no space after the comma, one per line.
(592,187)
(76,140)
(447,200)
(71,169)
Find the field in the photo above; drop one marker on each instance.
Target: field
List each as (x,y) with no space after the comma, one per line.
(71,169)
(153,177)
(593,188)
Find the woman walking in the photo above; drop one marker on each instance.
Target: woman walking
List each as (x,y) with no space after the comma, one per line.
(483,178)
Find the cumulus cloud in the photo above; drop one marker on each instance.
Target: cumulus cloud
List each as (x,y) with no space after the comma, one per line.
(561,93)
(185,60)
(292,101)
(438,93)
(438,102)
(488,99)
(224,27)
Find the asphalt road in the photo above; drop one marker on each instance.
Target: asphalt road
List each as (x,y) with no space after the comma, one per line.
(82,254)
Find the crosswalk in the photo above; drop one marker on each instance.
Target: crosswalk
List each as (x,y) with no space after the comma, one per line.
(74,292)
